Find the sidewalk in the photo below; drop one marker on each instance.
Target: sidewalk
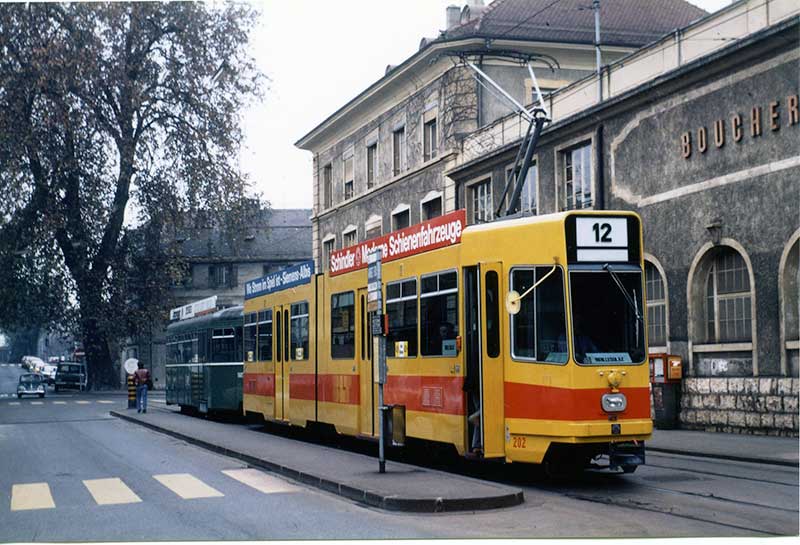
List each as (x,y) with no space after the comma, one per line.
(402,488)
(763,449)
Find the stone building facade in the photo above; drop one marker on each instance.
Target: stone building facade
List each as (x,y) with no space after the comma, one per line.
(707,153)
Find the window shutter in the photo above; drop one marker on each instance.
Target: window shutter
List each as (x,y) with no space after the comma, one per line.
(212,277)
(234,276)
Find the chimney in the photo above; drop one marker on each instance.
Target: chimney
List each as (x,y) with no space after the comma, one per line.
(453,16)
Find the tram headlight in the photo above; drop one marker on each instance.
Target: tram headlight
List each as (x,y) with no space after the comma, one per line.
(614,403)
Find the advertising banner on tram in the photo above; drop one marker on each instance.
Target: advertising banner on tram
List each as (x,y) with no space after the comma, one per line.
(429,235)
(280,280)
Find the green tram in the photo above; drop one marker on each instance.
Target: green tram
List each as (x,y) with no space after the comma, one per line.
(204,362)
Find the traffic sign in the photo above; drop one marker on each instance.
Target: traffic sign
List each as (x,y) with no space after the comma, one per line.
(130,365)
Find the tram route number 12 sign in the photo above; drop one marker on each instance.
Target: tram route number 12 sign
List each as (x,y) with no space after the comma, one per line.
(602,238)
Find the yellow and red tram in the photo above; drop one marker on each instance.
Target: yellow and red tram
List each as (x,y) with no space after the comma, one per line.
(517,340)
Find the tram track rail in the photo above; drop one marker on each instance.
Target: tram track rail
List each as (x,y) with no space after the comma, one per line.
(642,506)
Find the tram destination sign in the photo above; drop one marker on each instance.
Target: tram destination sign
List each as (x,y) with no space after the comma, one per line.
(429,235)
(296,275)
(602,239)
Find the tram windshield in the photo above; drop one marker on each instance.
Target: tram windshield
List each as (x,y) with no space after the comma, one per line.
(606,324)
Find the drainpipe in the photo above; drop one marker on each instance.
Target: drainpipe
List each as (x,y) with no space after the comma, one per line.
(479,113)
(596,9)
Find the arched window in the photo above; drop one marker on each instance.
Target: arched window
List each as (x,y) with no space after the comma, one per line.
(790,306)
(656,306)
(727,302)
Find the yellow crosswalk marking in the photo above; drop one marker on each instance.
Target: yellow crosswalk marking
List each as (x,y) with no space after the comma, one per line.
(59,402)
(110,491)
(105,402)
(187,486)
(31,496)
(260,481)
(83,402)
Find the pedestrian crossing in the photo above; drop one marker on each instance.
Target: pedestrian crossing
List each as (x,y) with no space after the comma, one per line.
(114,491)
(10,365)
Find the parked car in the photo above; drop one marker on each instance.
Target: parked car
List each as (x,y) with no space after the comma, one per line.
(49,373)
(31,384)
(70,374)
(31,362)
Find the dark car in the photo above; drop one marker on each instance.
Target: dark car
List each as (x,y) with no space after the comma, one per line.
(70,375)
(31,384)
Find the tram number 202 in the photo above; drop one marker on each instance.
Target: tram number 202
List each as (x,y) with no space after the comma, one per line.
(518,441)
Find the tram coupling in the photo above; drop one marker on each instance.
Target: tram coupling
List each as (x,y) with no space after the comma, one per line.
(625,456)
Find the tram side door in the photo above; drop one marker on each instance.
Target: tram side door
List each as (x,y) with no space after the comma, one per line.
(472,358)
(367,389)
(281,362)
(492,376)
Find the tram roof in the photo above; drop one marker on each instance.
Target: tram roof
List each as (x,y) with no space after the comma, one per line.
(516,222)
(208,320)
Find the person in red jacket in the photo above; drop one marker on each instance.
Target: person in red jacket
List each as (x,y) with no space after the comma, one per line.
(141,379)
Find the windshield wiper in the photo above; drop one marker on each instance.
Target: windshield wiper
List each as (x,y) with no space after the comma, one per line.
(628,298)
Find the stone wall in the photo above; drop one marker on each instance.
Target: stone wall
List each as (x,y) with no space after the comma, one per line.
(763,406)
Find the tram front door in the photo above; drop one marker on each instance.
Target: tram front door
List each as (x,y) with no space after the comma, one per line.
(484,372)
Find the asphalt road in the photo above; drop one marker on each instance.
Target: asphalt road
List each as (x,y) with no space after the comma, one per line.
(70,472)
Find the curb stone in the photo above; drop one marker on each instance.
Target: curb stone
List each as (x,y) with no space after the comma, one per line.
(372,499)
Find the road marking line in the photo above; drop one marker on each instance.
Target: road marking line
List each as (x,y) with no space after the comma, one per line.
(105,402)
(13,402)
(37,402)
(59,402)
(83,402)
(110,491)
(157,401)
(31,496)
(187,486)
(260,481)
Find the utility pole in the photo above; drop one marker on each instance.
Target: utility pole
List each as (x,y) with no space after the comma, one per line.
(596,9)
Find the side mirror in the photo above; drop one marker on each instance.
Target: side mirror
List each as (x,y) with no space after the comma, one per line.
(513,299)
(513,302)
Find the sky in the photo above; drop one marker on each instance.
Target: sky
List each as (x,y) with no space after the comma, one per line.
(319,54)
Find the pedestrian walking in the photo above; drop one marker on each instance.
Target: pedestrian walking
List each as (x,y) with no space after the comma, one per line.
(141,379)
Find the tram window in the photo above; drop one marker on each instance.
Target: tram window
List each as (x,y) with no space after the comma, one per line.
(264,335)
(604,320)
(492,315)
(249,351)
(223,345)
(401,307)
(286,334)
(538,331)
(299,322)
(343,325)
(438,310)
